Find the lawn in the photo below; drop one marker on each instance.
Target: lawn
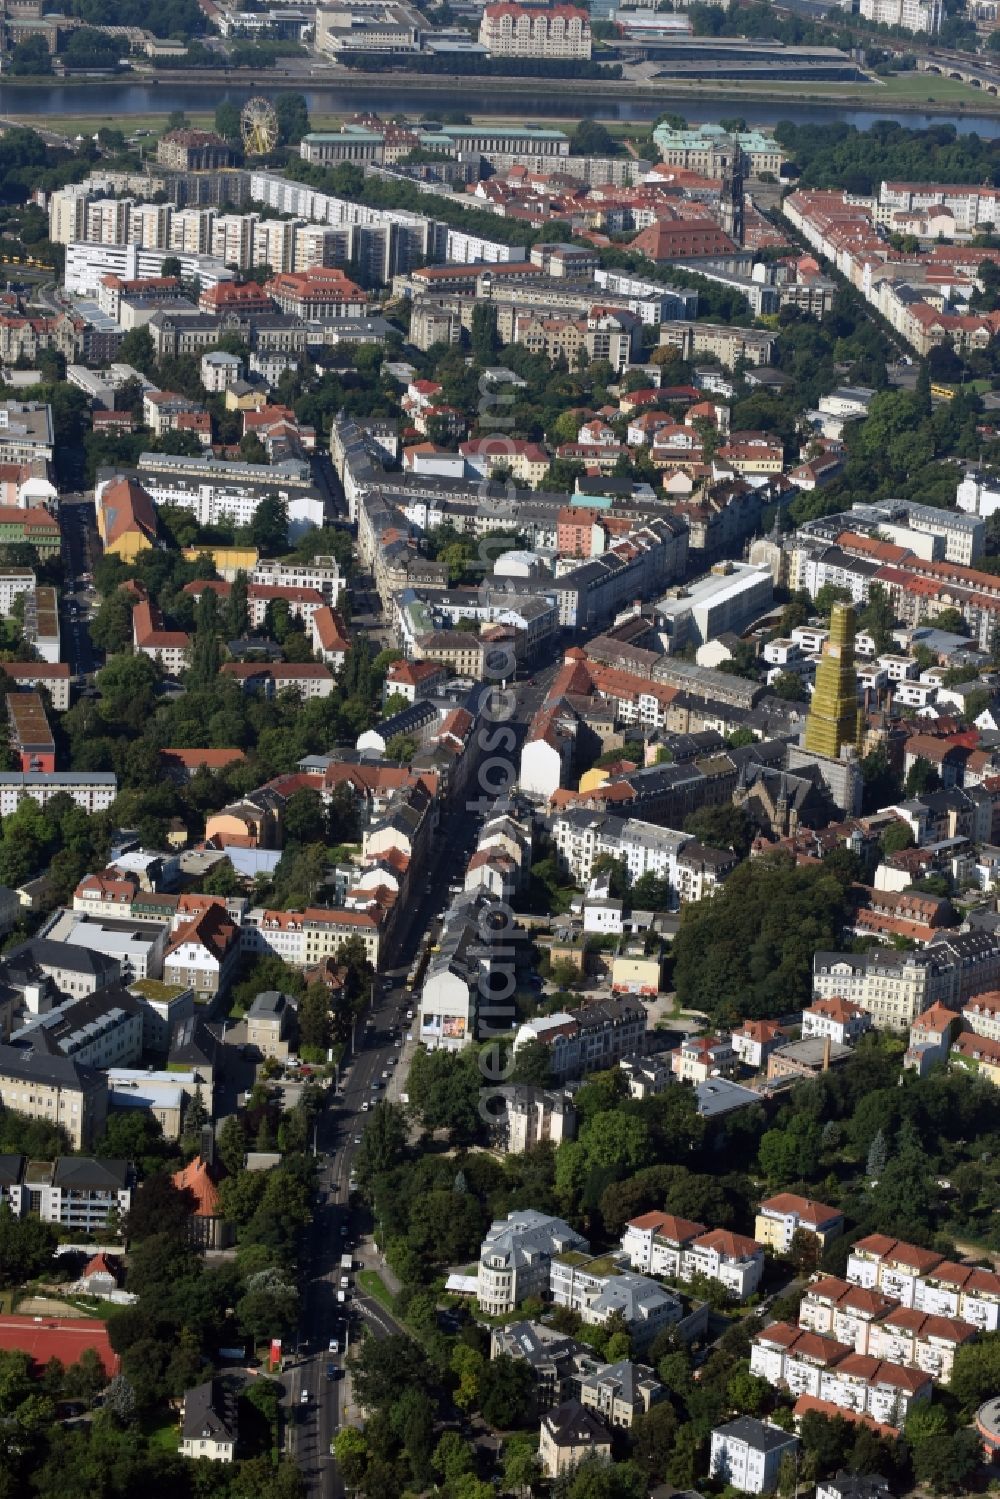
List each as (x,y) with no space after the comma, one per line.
(373,1285)
(161,1431)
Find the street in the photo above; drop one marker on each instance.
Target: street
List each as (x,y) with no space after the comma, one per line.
(78,524)
(338,1225)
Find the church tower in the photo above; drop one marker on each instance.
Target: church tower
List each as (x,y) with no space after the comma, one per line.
(732,194)
(834,719)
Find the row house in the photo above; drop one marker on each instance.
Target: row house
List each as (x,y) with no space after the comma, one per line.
(847,1312)
(877,1325)
(663,1244)
(809,1364)
(926,1281)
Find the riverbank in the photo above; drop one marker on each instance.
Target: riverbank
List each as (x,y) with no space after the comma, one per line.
(907,93)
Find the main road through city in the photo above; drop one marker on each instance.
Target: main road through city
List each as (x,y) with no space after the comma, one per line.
(315,1403)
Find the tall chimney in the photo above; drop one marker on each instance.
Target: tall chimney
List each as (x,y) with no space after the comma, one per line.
(826,1053)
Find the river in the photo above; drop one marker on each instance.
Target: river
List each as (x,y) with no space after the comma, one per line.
(122,99)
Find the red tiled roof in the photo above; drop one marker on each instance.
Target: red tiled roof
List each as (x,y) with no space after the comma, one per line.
(808,1212)
(196,1178)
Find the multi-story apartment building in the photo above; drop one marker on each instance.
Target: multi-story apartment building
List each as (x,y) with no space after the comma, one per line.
(581,836)
(44,1084)
(215,490)
(81,1195)
(748,1454)
(555,31)
(780,1218)
(515,1257)
(879,1326)
(595,1036)
(849,1313)
(807,1363)
(598,1289)
(102,1029)
(836,1018)
(617,1392)
(924,1280)
(192,151)
(662,1244)
(895,987)
(911,15)
(526,1116)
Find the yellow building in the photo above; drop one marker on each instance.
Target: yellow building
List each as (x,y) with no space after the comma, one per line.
(126,519)
(834,718)
(635,973)
(228,560)
(244,398)
(591,779)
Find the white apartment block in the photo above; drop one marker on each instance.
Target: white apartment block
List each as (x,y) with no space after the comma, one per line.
(515,1256)
(321,574)
(806,1363)
(747,1454)
(691,871)
(662,1244)
(94,791)
(512,30)
(926,1281)
(912,15)
(598,1293)
(14,581)
(836,1018)
(87,263)
(877,1325)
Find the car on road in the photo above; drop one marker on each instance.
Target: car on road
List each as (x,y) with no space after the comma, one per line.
(357,1139)
(376,1083)
(409,1014)
(304,1398)
(385,1075)
(365,1106)
(334,1345)
(397,1042)
(343,1230)
(331,1371)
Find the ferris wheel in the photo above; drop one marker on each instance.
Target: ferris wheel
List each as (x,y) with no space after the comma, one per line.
(259,127)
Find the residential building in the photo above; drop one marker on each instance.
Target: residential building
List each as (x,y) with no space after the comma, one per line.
(192,151)
(271,1024)
(617,1392)
(835,1018)
(528,1116)
(927,1281)
(554,31)
(701,1057)
(780,1218)
(209,1421)
(911,15)
(87,1196)
(30,735)
(595,1036)
(515,1256)
(599,1288)
(748,1453)
(103,1029)
(203,953)
(570,1434)
(36,1079)
(663,1244)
